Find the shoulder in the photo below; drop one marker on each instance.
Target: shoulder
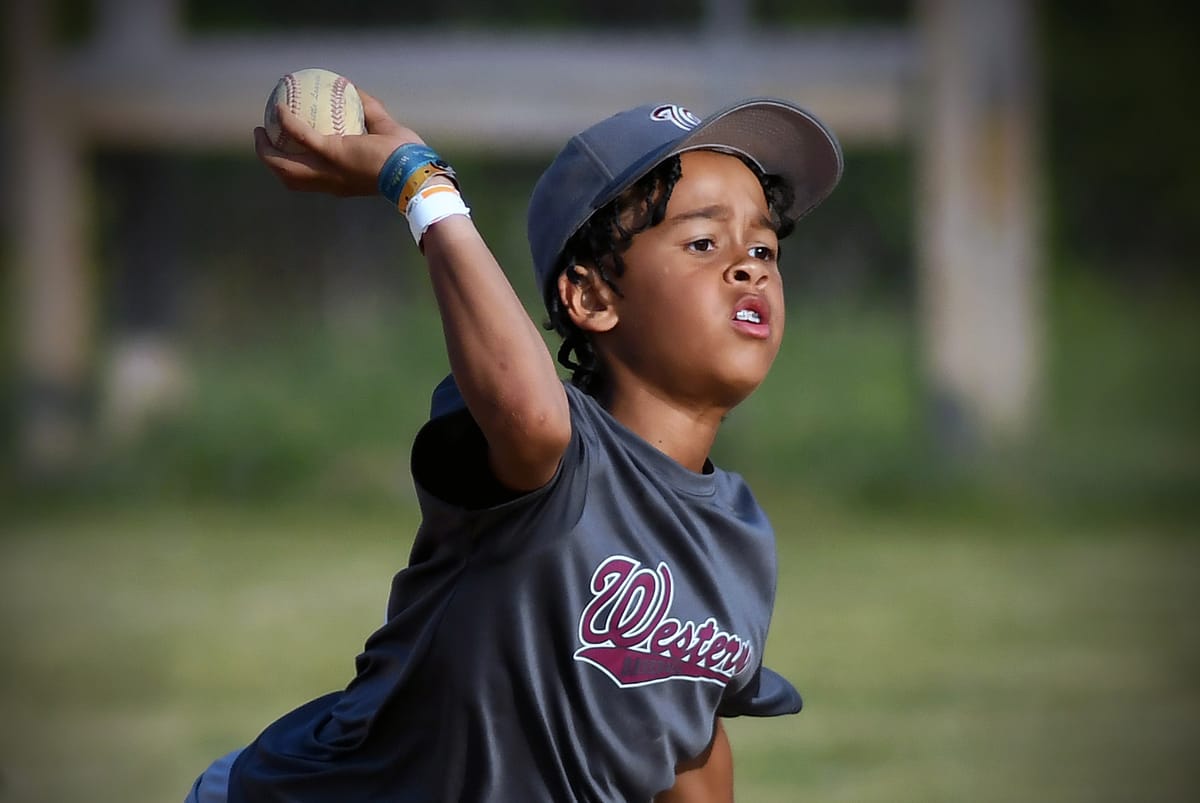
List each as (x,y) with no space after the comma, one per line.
(735,493)
(450,455)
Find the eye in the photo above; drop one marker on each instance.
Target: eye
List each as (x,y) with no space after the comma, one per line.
(702,245)
(763,252)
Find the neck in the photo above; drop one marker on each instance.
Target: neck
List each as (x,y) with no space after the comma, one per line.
(683,432)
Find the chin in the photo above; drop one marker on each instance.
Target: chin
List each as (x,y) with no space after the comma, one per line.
(735,390)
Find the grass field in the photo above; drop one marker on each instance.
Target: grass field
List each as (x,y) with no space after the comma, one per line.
(941,659)
(1020,629)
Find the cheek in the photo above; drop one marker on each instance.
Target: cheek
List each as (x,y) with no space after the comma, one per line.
(778,305)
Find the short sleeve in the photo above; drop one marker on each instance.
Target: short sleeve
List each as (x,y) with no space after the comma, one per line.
(458,493)
(450,461)
(768,694)
(450,458)
(446,398)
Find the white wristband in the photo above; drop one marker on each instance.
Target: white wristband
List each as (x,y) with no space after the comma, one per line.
(432,204)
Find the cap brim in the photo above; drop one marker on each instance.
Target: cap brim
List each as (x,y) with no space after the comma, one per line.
(781,138)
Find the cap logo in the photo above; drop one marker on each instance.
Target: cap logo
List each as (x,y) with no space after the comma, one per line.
(676,116)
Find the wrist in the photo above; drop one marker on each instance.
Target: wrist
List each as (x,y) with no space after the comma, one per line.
(435,201)
(407,170)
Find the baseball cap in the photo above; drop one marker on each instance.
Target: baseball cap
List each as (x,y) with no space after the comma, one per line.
(601,162)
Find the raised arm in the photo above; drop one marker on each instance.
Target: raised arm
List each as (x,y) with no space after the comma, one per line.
(499,360)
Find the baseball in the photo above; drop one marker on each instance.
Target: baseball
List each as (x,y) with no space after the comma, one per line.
(325,100)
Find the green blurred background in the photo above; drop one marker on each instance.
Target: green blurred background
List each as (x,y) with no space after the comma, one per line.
(1012,623)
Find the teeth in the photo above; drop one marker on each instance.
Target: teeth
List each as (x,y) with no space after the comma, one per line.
(748,315)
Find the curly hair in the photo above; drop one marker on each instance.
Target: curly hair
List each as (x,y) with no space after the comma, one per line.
(606,236)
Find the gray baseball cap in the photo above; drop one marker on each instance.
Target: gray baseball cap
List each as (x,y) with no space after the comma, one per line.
(600,163)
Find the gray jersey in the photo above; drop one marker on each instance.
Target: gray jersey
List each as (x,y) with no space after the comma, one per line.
(573,643)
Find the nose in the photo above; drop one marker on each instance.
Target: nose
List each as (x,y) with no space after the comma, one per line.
(748,271)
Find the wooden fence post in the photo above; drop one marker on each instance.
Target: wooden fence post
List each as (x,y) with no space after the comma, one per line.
(978,214)
(51,292)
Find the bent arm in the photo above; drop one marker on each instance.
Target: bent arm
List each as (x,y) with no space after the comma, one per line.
(499,360)
(500,363)
(708,778)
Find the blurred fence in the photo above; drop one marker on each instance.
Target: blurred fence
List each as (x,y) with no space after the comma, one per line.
(960,84)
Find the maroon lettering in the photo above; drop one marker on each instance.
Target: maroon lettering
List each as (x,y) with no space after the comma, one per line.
(703,636)
(609,578)
(626,630)
(639,608)
(714,651)
(662,636)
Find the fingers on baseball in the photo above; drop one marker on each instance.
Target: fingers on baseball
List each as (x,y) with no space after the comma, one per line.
(301,132)
(297,171)
(374,114)
(263,147)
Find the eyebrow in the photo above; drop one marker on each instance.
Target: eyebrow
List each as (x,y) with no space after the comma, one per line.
(714,212)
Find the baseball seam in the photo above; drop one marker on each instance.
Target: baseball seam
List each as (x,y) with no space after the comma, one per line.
(292,96)
(338,105)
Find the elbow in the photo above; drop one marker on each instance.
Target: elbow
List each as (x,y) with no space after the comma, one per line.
(527,445)
(541,436)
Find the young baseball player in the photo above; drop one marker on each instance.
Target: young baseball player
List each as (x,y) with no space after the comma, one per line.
(587,595)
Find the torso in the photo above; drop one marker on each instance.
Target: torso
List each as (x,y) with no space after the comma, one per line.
(575,643)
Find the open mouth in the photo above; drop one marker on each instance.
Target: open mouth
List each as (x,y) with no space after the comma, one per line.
(752,317)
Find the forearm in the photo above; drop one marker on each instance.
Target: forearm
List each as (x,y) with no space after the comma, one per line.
(498,357)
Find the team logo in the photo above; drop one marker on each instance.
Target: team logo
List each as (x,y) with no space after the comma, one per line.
(676,115)
(626,631)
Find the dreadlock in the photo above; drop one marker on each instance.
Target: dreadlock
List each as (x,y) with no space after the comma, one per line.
(603,240)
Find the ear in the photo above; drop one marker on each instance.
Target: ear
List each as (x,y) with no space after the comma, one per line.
(587,298)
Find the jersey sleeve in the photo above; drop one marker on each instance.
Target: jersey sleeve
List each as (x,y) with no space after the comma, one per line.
(458,492)
(768,694)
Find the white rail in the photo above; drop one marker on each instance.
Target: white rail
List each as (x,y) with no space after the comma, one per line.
(517,90)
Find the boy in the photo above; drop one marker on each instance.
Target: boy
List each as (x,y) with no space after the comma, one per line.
(587,594)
